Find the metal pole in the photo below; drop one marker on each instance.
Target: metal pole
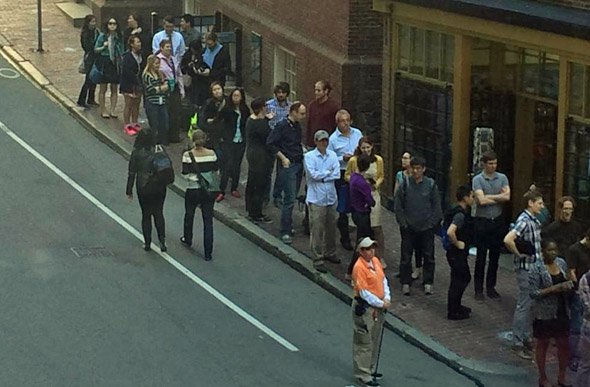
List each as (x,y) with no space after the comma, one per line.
(39,28)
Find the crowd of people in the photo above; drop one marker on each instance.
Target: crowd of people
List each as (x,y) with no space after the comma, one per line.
(315,146)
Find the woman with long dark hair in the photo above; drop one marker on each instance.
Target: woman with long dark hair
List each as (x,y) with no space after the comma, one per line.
(197,163)
(150,193)
(233,141)
(109,48)
(88,35)
(211,120)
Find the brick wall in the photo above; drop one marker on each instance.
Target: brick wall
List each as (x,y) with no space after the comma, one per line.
(337,40)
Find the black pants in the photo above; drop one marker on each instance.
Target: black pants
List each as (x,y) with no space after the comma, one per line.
(194,198)
(256,188)
(343,204)
(489,236)
(175,116)
(362,220)
(412,241)
(232,153)
(460,278)
(152,206)
(88,90)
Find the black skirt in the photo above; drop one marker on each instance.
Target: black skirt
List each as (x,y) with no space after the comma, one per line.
(110,72)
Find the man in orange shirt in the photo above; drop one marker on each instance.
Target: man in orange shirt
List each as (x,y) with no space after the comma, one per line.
(371,299)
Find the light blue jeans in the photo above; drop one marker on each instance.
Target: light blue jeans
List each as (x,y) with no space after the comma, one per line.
(522,323)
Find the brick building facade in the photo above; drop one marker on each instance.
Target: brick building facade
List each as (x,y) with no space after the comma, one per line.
(340,41)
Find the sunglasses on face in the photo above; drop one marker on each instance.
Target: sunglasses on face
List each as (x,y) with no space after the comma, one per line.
(112,23)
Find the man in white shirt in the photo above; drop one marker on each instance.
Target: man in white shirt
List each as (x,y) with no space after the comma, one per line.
(178,46)
(321,170)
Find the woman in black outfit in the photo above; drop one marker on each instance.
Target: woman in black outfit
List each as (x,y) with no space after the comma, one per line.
(205,163)
(132,65)
(260,160)
(150,193)
(233,141)
(193,65)
(88,36)
(210,119)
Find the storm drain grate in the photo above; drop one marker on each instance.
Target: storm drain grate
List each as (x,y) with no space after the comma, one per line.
(91,252)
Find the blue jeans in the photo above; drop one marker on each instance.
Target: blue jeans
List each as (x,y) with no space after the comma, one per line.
(288,178)
(522,323)
(157,116)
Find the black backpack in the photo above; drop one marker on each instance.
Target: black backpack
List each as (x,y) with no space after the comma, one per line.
(162,169)
(447,220)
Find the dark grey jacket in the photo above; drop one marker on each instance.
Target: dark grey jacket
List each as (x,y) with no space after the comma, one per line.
(417,206)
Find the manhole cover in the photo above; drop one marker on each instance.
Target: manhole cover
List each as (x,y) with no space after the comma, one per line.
(91,252)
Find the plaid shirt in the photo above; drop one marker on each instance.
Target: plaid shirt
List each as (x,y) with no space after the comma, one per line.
(528,227)
(281,112)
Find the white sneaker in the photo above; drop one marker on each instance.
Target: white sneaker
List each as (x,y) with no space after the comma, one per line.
(428,289)
(287,239)
(406,290)
(416,273)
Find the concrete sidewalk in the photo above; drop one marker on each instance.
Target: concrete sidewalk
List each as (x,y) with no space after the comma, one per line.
(472,346)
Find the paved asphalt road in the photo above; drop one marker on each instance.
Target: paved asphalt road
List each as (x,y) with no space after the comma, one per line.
(132,318)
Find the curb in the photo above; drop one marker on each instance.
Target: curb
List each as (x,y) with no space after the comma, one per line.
(271,243)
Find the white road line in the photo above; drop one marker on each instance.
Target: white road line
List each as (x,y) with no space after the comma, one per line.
(193,277)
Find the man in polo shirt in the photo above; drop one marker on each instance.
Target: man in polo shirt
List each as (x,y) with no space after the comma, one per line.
(343,142)
(491,190)
(285,142)
(524,241)
(321,111)
(372,298)
(321,170)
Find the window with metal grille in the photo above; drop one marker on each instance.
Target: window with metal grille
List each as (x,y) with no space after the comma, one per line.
(285,70)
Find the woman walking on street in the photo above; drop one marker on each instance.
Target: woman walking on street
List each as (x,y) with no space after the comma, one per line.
(131,68)
(549,289)
(233,141)
(199,164)
(109,48)
(375,176)
(260,160)
(156,93)
(150,193)
(88,36)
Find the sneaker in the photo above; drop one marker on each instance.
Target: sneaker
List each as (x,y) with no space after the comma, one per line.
(406,290)
(371,383)
(493,294)
(219,197)
(522,352)
(236,194)
(163,247)
(321,268)
(479,296)
(416,273)
(185,242)
(147,246)
(428,289)
(377,375)
(462,315)
(287,239)
(266,219)
(466,309)
(333,259)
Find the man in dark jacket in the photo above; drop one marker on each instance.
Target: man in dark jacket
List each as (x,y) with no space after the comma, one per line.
(418,212)
(217,58)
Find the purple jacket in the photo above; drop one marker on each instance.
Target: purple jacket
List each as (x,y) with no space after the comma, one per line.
(361,199)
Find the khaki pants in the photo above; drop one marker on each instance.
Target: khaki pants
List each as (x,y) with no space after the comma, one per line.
(367,330)
(322,222)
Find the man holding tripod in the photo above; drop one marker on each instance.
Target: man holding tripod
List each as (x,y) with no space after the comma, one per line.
(371,300)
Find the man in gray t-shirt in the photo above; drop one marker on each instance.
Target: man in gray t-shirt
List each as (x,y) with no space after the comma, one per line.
(491,190)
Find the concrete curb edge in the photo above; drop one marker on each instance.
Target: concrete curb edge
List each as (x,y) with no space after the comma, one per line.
(274,246)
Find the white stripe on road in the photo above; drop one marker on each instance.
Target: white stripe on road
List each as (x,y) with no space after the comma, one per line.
(208,288)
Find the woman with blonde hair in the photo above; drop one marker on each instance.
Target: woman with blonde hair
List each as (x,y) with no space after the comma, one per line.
(156,96)
(200,169)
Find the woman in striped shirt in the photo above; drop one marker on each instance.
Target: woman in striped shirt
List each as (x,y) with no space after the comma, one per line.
(197,164)
(156,96)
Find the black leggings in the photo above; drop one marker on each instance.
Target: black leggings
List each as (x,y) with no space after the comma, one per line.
(232,154)
(152,205)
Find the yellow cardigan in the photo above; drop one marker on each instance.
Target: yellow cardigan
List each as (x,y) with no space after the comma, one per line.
(351,167)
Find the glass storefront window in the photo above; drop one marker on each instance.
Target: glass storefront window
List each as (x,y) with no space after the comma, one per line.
(425,53)
(577,167)
(530,71)
(417,51)
(549,76)
(539,73)
(579,90)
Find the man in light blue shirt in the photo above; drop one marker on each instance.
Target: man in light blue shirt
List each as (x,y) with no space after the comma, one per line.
(343,142)
(321,170)
(178,47)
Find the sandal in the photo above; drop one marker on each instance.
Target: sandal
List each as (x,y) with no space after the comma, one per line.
(105,116)
(114,116)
